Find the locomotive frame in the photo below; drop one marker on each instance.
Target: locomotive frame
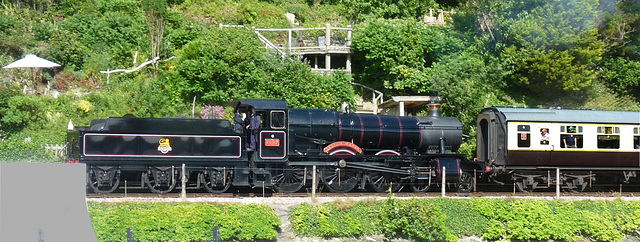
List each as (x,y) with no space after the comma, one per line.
(351,151)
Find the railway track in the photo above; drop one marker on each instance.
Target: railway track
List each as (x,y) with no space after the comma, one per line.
(545,195)
(484,190)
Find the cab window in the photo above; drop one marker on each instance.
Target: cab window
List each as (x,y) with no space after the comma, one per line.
(277,119)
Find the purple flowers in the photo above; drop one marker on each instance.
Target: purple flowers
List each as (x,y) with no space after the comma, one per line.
(212,112)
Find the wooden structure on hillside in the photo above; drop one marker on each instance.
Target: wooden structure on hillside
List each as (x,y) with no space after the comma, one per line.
(325,48)
(397,105)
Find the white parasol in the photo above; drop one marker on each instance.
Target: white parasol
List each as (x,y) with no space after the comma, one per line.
(35,63)
(32,61)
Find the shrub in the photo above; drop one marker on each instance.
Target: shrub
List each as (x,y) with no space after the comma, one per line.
(182,221)
(413,218)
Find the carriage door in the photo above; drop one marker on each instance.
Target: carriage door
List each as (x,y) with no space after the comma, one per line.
(486,138)
(273,143)
(547,142)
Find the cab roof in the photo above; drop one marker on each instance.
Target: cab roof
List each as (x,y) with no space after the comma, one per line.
(258,103)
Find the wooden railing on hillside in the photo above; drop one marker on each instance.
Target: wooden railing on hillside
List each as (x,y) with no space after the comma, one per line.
(306,40)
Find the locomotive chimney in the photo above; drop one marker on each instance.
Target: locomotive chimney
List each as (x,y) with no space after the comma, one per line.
(434,108)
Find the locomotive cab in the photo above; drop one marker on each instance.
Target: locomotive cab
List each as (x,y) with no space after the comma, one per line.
(271,140)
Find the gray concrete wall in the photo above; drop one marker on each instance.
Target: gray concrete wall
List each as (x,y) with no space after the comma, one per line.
(43,202)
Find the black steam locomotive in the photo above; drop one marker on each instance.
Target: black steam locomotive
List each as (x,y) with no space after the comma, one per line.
(348,151)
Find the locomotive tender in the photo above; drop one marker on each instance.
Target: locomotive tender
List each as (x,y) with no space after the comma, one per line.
(526,146)
(349,150)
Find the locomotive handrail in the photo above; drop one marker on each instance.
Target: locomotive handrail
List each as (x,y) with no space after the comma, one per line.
(376,168)
(314,140)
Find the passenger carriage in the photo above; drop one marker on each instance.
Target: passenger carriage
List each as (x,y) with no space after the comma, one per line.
(606,146)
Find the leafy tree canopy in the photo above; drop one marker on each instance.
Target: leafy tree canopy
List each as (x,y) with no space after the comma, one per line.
(550,46)
(392,54)
(217,67)
(361,10)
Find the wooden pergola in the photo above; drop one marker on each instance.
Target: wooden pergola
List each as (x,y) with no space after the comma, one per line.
(406,102)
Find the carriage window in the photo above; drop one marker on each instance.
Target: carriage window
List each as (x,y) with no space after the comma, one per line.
(607,138)
(608,130)
(571,136)
(524,140)
(277,120)
(544,136)
(524,136)
(636,139)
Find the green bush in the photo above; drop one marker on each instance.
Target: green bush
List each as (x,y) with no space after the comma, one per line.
(444,219)
(182,221)
(334,220)
(247,222)
(414,218)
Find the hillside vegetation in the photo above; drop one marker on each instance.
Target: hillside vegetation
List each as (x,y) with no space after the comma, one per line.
(582,54)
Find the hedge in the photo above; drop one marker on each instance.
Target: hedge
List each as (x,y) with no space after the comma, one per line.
(434,219)
(183,221)
(444,219)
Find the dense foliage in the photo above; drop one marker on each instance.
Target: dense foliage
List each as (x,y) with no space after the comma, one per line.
(436,219)
(183,221)
(581,54)
(443,219)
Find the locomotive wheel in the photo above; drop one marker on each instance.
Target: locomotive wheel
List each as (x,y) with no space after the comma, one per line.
(104,180)
(466,183)
(215,180)
(289,180)
(161,180)
(382,182)
(339,180)
(420,186)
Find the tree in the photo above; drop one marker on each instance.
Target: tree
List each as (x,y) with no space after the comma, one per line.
(550,46)
(620,28)
(360,10)
(154,11)
(623,76)
(549,72)
(217,67)
(392,54)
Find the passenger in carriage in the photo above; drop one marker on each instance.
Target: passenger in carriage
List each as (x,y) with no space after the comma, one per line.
(544,136)
(569,140)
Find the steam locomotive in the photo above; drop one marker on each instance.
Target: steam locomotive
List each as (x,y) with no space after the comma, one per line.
(348,151)
(527,147)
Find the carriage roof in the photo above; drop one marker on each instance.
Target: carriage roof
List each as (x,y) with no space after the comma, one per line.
(258,103)
(567,115)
